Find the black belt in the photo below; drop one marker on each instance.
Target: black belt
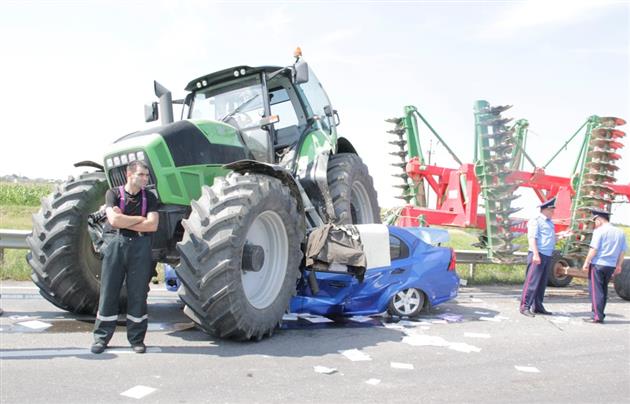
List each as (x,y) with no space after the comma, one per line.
(128,233)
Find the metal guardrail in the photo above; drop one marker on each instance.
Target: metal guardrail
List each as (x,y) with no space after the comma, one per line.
(14,238)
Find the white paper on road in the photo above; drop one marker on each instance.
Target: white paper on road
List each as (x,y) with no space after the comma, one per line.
(324,370)
(373,382)
(138,392)
(451,318)
(424,340)
(355,355)
(463,347)
(17,317)
(361,319)
(483,313)
(439,322)
(398,365)
(476,335)
(527,369)
(476,300)
(318,319)
(35,324)
(289,317)
(495,319)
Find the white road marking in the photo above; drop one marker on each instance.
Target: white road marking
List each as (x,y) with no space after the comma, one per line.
(138,392)
(33,353)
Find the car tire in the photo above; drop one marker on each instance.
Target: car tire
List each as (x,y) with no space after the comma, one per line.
(406,303)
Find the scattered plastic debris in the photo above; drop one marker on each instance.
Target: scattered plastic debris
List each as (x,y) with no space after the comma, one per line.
(463,347)
(424,340)
(315,319)
(483,313)
(289,317)
(527,369)
(35,324)
(398,365)
(324,370)
(361,319)
(138,392)
(495,319)
(355,355)
(451,318)
(373,382)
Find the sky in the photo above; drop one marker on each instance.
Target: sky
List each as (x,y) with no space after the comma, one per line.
(75,75)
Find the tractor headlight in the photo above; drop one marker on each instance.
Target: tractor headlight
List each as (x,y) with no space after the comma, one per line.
(116,160)
(140,155)
(109,163)
(123,159)
(132,157)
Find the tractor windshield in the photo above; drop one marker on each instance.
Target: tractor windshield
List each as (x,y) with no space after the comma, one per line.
(239,104)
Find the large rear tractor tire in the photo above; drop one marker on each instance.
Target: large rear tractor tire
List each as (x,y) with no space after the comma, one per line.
(352,190)
(65,267)
(559,280)
(622,281)
(240,256)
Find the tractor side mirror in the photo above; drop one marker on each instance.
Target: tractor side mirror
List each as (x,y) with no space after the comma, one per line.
(300,72)
(151,112)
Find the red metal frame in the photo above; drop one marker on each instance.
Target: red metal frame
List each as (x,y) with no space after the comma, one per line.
(454,208)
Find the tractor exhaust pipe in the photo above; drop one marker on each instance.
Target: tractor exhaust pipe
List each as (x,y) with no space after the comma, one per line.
(166,102)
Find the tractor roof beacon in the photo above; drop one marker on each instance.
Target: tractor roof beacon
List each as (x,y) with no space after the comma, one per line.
(254,162)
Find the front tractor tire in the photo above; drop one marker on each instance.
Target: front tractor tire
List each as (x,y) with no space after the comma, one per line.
(64,265)
(240,256)
(352,190)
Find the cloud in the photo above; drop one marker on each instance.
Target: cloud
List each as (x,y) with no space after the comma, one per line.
(537,13)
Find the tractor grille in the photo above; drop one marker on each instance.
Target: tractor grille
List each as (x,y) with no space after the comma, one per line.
(118,176)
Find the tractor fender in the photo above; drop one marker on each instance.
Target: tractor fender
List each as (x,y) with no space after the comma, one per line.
(88,163)
(344,146)
(272,170)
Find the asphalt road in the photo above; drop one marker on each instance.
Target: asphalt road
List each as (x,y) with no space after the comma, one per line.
(477,348)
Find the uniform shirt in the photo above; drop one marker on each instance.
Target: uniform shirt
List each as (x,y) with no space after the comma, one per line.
(543,230)
(609,243)
(133,207)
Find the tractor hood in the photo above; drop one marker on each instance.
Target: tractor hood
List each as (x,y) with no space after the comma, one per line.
(187,142)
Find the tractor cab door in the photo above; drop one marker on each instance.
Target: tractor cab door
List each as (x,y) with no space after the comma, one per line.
(318,106)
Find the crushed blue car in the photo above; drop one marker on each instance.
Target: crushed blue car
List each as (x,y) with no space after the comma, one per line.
(421,275)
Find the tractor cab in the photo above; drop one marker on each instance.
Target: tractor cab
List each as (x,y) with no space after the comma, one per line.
(273,108)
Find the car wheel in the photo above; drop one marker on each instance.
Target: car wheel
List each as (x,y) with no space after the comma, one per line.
(408,302)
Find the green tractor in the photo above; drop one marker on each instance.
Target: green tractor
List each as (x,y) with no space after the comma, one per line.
(255,164)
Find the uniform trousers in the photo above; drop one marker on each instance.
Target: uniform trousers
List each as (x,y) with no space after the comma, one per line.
(535,283)
(124,258)
(598,278)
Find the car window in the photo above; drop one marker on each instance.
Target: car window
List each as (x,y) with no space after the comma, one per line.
(397,248)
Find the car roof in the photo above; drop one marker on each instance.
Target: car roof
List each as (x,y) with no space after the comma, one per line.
(228,74)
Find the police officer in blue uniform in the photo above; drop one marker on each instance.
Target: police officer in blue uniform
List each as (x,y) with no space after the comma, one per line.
(541,237)
(131,217)
(604,259)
